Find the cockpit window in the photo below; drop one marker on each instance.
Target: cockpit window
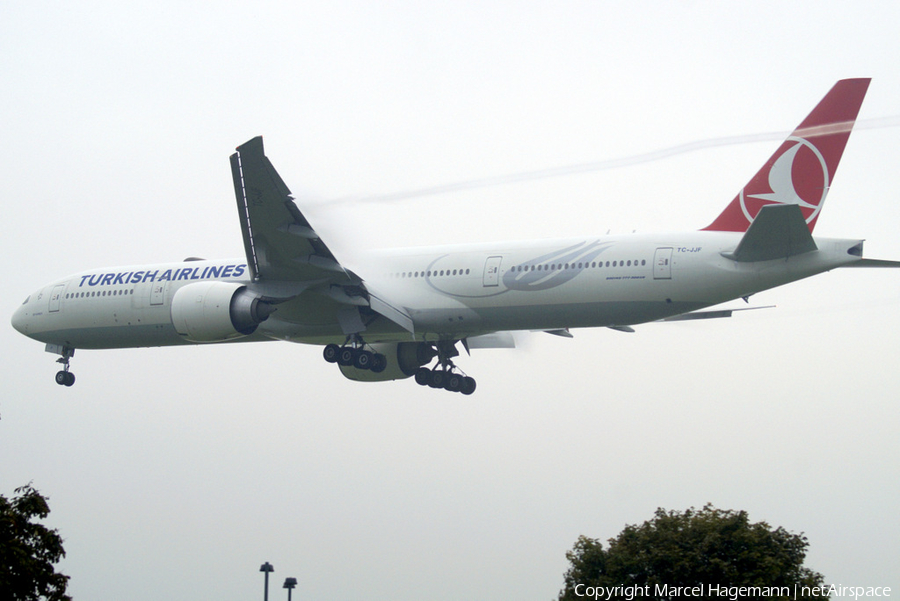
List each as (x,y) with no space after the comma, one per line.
(25,302)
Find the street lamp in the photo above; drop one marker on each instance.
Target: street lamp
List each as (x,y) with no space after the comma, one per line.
(266,567)
(289,584)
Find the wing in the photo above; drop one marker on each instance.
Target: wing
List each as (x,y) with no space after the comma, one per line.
(285,255)
(279,241)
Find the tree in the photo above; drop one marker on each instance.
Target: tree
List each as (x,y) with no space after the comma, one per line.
(710,548)
(28,550)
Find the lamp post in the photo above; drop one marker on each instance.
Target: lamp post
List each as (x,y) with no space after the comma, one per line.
(289,584)
(266,567)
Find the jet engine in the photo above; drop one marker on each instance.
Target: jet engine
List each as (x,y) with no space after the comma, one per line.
(403,359)
(216,311)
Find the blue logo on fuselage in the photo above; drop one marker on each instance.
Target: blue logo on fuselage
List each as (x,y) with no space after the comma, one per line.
(159,275)
(553,269)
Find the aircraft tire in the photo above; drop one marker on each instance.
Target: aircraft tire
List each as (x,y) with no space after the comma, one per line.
(437,378)
(453,383)
(468,385)
(363,360)
(62,377)
(331,352)
(379,363)
(423,376)
(347,356)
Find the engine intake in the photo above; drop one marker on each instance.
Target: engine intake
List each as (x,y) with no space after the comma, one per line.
(217,311)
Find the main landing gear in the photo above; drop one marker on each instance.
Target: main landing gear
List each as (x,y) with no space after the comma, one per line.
(445,374)
(64,377)
(356,355)
(448,379)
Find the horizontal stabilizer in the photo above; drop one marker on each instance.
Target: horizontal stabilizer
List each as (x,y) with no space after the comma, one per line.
(778,232)
(873,263)
(714,314)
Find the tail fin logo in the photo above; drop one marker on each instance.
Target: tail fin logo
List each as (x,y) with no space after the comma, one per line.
(797,175)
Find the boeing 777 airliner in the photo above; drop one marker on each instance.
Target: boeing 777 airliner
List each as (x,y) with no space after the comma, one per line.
(409,309)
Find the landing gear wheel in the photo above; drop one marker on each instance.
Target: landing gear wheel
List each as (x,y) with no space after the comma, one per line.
(467,386)
(331,353)
(346,356)
(65,378)
(379,363)
(437,379)
(363,360)
(423,376)
(453,382)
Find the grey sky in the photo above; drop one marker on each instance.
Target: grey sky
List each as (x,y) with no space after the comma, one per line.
(174,473)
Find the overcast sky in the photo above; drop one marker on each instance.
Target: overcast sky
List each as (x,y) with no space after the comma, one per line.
(174,473)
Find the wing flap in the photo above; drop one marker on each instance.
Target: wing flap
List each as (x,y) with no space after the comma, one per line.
(386,309)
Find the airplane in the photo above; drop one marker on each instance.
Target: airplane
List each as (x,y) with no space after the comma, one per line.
(407,310)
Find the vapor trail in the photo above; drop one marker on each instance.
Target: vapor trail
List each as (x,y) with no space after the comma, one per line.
(636,159)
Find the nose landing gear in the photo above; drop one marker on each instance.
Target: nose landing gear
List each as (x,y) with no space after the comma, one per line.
(63,377)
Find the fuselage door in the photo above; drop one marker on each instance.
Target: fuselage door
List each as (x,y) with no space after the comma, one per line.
(56,297)
(492,271)
(157,293)
(662,264)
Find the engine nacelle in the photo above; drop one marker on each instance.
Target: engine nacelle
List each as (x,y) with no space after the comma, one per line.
(216,311)
(403,359)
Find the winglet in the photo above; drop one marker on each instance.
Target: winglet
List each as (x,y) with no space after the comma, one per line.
(801,170)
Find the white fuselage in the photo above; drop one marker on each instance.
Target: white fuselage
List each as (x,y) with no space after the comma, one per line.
(449,292)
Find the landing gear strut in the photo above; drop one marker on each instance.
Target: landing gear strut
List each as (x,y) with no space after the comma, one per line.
(445,374)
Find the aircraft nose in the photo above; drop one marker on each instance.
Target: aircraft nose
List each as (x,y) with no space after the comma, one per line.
(20,319)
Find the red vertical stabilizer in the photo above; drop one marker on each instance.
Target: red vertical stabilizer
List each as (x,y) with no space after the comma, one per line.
(801,170)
